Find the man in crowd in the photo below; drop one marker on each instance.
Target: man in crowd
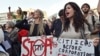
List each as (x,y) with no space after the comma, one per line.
(57,24)
(89,15)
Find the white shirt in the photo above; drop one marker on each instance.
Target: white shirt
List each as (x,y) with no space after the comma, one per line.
(71,34)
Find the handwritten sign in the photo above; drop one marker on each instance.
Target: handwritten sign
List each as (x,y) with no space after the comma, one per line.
(49,46)
(37,46)
(75,47)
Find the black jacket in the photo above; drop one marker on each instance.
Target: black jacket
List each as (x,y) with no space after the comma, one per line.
(57,27)
(24,25)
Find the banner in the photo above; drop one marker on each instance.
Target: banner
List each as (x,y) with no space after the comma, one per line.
(49,46)
(75,47)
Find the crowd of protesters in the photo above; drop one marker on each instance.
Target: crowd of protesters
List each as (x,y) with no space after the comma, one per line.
(73,23)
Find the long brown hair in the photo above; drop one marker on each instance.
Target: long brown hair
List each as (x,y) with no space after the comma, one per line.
(78,18)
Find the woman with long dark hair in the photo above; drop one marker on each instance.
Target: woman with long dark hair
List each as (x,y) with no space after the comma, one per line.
(74,23)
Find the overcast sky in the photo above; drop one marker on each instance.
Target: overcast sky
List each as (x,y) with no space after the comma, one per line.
(50,6)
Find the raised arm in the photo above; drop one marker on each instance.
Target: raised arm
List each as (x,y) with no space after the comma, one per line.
(9,13)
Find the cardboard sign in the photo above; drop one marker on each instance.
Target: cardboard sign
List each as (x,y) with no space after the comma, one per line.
(75,47)
(37,46)
(49,46)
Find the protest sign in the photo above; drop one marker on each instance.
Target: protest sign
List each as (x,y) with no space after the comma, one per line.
(75,47)
(37,46)
(49,46)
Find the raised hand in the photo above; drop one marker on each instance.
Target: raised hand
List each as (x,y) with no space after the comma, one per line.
(9,8)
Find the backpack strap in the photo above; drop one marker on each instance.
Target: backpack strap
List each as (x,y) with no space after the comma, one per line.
(89,27)
(93,21)
(83,36)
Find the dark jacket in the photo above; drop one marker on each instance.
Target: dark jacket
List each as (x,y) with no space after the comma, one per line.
(97,53)
(57,27)
(24,25)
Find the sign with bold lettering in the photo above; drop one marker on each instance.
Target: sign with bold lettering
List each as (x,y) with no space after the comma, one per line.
(38,46)
(75,47)
(49,46)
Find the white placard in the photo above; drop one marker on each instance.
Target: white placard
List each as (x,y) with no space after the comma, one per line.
(49,46)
